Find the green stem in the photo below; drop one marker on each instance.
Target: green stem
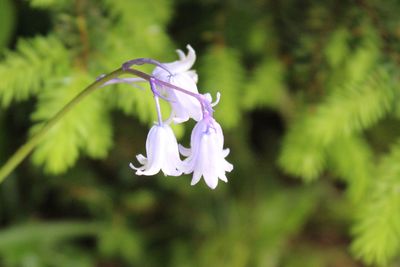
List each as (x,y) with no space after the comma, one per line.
(25,149)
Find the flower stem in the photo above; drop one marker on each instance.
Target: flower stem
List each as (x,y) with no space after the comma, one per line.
(155,94)
(171,86)
(25,149)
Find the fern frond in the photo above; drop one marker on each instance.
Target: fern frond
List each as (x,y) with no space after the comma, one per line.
(140,12)
(337,49)
(122,44)
(351,159)
(221,71)
(301,155)
(363,59)
(47,3)
(350,66)
(344,113)
(139,30)
(24,71)
(7,22)
(135,101)
(354,108)
(86,127)
(266,87)
(377,232)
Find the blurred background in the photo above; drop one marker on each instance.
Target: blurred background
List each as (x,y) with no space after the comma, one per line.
(309,110)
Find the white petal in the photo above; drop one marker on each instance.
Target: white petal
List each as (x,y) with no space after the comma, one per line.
(183,64)
(209,98)
(225,152)
(196,178)
(228,166)
(180,53)
(184,105)
(217,100)
(192,74)
(211,181)
(223,178)
(133,166)
(142,159)
(211,158)
(186,63)
(171,154)
(184,151)
(154,144)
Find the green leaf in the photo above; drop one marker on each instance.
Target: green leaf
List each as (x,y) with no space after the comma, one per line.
(377,231)
(48,3)
(139,30)
(354,108)
(45,233)
(25,71)
(86,127)
(344,113)
(140,12)
(351,159)
(337,49)
(119,241)
(364,58)
(266,86)
(350,66)
(301,155)
(7,20)
(221,71)
(30,244)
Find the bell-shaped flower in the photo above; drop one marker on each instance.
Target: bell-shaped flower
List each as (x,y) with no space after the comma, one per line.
(179,74)
(182,65)
(206,157)
(162,153)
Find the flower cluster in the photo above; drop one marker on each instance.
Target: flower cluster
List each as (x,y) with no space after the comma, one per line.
(176,83)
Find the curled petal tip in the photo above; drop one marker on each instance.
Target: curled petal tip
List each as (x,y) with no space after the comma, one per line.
(217,100)
(180,54)
(133,166)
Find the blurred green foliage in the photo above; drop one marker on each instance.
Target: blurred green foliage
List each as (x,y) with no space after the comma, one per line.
(7,18)
(309,94)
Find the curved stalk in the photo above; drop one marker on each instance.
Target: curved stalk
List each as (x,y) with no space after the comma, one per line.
(25,149)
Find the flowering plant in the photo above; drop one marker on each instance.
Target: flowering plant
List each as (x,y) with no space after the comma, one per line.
(176,83)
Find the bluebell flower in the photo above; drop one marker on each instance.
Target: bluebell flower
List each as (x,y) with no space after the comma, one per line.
(175,82)
(162,153)
(178,73)
(206,157)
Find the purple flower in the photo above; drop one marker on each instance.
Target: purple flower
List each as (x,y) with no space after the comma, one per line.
(179,74)
(162,153)
(206,157)
(175,82)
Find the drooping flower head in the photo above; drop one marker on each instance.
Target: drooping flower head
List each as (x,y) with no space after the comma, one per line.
(175,82)
(178,73)
(162,153)
(206,157)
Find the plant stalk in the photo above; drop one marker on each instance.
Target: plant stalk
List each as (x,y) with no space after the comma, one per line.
(25,149)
